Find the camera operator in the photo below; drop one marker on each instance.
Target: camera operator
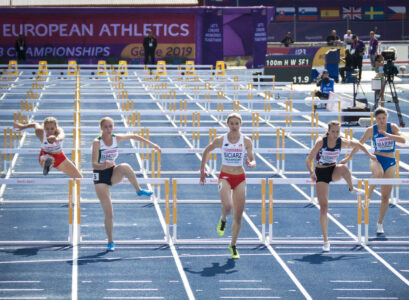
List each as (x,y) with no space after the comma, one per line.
(358,50)
(379,64)
(326,85)
(349,65)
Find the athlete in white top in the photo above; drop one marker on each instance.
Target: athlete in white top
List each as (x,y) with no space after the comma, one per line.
(326,151)
(106,173)
(51,154)
(234,145)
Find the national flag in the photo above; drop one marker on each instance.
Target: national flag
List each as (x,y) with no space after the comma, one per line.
(396,12)
(352,13)
(307,13)
(285,13)
(374,13)
(331,13)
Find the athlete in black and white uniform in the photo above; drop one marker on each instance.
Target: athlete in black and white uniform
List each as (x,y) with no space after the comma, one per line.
(106,173)
(326,151)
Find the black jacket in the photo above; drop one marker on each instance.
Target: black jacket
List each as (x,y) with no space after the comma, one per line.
(148,40)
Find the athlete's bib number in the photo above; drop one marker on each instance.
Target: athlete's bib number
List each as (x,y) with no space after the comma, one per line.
(96,176)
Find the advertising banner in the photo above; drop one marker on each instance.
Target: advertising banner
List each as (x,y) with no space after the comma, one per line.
(97,35)
(212,43)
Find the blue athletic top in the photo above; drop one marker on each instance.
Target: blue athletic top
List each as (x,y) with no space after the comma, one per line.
(329,156)
(383,143)
(329,87)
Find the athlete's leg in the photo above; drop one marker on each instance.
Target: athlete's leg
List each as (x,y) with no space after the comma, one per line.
(386,190)
(239,202)
(322,195)
(377,172)
(225,197)
(69,168)
(104,197)
(342,171)
(124,170)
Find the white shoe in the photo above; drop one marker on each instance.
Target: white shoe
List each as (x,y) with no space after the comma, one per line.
(326,247)
(379,228)
(357,191)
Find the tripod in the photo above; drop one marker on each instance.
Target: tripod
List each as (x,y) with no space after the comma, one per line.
(356,86)
(392,88)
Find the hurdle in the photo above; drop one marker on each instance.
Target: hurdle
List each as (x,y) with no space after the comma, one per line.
(102,68)
(42,68)
(12,68)
(187,181)
(72,67)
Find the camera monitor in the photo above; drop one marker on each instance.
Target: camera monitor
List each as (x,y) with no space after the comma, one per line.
(388,55)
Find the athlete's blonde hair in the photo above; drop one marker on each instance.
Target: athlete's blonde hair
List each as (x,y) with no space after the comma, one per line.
(50,120)
(332,123)
(101,122)
(233,115)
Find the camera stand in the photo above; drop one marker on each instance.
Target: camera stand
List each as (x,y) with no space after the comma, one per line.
(356,86)
(391,84)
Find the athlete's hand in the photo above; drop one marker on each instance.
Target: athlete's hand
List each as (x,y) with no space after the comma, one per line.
(344,161)
(203,175)
(373,157)
(52,139)
(313,176)
(17,126)
(157,147)
(250,164)
(383,132)
(108,164)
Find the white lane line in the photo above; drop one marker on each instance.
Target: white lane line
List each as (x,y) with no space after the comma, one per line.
(131,289)
(172,247)
(20,298)
(141,298)
(20,281)
(372,298)
(250,297)
(405,271)
(240,280)
(350,281)
(357,289)
(21,290)
(130,281)
(245,289)
(74,275)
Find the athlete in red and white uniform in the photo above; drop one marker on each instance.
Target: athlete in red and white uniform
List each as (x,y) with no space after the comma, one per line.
(234,145)
(327,150)
(51,154)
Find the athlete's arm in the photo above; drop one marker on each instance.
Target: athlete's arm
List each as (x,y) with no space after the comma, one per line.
(250,160)
(124,137)
(37,127)
(357,145)
(217,143)
(396,135)
(367,135)
(95,155)
(311,155)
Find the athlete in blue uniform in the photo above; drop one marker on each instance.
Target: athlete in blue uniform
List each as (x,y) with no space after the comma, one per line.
(384,135)
(326,151)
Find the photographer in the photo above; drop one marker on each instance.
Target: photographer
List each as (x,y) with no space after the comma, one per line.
(326,85)
(349,63)
(358,50)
